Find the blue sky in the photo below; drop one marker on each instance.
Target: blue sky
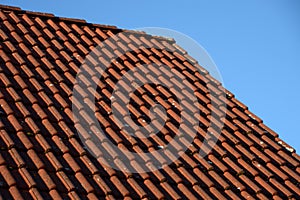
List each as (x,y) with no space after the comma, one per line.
(255,44)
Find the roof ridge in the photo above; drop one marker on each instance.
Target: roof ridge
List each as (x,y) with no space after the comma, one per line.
(50,15)
(10,7)
(82,21)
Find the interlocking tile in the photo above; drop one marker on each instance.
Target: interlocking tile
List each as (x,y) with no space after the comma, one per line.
(42,157)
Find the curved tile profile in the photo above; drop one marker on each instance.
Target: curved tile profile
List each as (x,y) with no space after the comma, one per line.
(41,156)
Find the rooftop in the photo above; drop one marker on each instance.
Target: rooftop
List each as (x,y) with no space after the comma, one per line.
(42,154)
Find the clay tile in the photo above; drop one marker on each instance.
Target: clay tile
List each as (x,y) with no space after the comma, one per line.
(202,192)
(203,177)
(77,146)
(89,31)
(275,157)
(232,195)
(154,189)
(291,172)
(253,116)
(135,39)
(66,89)
(243,138)
(27,20)
(24,49)
(256,188)
(86,40)
(239,104)
(3,35)
(64,26)
(10,181)
(220,180)
(35,159)
(293,187)
(63,65)
(216,193)
(262,169)
(5,80)
(14,17)
(32,125)
(8,141)
(17,158)
(139,190)
(50,36)
(59,143)
(122,189)
(15,123)
(296,156)
(171,192)
(32,42)
(157,44)
(85,184)
(51,52)
(180,56)
(188,176)
(10,47)
(124,37)
(288,158)
(65,180)
(83,49)
(55,163)
(35,193)
(14,191)
(219,164)
(271,142)
(71,162)
(23,109)
(3,15)
(267,129)
(61,36)
(92,196)
(280,187)
(246,166)
(266,185)
(52,24)
(73,195)
(260,154)
(40,22)
(233,180)
(74,38)
(44,42)
(173,174)
(9,26)
(102,184)
(36,31)
(7,109)
(240,114)
(235,167)
(27,177)
(186,191)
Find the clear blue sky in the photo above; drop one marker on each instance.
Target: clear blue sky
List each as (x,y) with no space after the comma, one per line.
(255,44)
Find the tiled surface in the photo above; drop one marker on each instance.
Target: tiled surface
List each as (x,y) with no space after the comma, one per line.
(41,155)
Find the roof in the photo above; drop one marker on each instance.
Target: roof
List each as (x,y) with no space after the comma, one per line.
(43,157)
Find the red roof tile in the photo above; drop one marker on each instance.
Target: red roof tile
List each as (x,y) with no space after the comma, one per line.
(41,155)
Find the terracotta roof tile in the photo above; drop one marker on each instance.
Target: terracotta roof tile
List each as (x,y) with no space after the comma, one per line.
(40,152)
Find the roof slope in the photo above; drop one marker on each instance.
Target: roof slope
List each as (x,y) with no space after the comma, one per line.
(41,156)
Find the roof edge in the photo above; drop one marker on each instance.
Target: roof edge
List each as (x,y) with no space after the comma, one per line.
(10,7)
(50,15)
(82,21)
